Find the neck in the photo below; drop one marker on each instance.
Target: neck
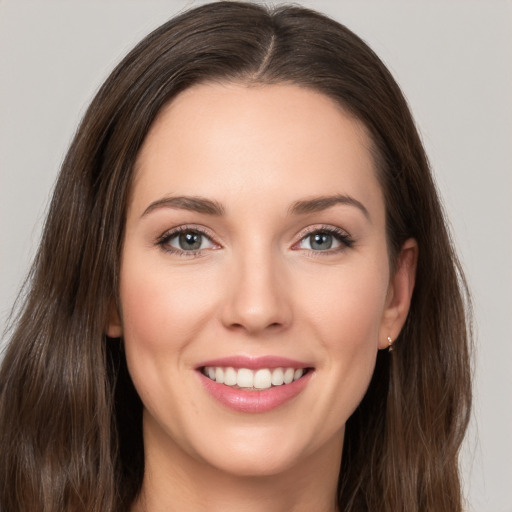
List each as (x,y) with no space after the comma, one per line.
(175,481)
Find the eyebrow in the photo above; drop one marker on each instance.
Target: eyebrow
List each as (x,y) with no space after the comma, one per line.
(192,203)
(209,207)
(317,204)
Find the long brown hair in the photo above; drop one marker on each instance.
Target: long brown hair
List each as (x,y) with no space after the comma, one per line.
(70,419)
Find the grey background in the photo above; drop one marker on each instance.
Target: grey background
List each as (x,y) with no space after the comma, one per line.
(453,60)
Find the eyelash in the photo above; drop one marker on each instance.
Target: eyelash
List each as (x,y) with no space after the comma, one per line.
(345,240)
(163,241)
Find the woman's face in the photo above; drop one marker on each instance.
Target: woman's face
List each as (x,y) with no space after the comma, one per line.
(255,251)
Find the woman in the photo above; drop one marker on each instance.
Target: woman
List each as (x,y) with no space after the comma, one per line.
(243,227)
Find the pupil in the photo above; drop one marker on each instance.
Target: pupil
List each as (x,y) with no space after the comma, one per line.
(190,241)
(321,241)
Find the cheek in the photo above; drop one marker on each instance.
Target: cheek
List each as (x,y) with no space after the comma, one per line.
(162,312)
(161,308)
(346,317)
(349,307)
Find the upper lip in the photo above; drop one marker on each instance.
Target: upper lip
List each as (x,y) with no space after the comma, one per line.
(254,363)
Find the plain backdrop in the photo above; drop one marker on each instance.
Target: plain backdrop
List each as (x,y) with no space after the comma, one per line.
(453,60)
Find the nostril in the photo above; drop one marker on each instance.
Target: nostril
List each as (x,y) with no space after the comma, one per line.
(253,327)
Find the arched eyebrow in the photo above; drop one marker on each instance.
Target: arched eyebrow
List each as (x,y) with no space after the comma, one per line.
(192,203)
(317,204)
(210,207)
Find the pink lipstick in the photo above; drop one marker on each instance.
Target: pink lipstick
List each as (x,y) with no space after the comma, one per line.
(254,385)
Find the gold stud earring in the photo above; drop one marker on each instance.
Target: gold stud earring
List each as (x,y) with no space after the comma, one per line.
(390,343)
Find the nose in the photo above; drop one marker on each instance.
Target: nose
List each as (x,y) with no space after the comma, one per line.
(257,295)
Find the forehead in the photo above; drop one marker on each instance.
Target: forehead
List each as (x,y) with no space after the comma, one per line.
(273,141)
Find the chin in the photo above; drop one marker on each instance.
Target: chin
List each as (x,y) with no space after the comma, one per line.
(263,452)
(263,465)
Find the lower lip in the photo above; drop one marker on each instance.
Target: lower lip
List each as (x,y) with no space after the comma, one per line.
(242,400)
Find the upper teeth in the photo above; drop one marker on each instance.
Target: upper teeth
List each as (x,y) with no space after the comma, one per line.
(263,378)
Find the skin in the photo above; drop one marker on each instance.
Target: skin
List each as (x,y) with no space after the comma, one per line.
(256,287)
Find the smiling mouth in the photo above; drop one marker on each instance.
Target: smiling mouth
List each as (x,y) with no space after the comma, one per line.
(253,380)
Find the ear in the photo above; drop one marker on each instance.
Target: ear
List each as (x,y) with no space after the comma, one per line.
(114,327)
(398,300)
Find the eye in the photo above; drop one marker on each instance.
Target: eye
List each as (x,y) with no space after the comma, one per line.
(186,240)
(325,239)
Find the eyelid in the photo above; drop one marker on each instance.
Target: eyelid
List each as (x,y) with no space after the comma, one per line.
(169,234)
(342,236)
